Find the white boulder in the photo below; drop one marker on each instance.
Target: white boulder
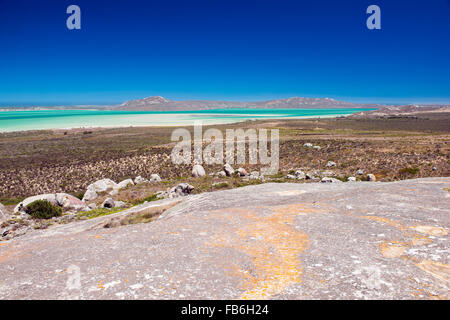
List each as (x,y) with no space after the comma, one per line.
(98,186)
(108,203)
(242,172)
(330,180)
(229,171)
(125,183)
(198,171)
(254,175)
(155,178)
(300,175)
(331,164)
(64,200)
(139,180)
(221,174)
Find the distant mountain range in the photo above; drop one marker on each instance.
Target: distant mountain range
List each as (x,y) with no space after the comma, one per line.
(158,103)
(161,104)
(407,110)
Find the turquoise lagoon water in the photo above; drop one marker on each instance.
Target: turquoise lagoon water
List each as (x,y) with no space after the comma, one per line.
(63,119)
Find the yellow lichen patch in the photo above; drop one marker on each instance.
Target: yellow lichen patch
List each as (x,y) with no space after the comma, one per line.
(273,245)
(430,230)
(420,240)
(438,270)
(392,250)
(390,222)
(417,239)
(296,209)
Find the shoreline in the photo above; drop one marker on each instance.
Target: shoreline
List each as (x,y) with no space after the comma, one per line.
(186,123)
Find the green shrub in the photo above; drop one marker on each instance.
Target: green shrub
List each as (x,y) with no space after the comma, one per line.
(79,195)
(43,209)
(11,201)
(220,185)
(153,197)
(410,170)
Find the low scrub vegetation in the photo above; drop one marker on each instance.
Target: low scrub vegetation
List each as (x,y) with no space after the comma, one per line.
(43,209)
(409,170)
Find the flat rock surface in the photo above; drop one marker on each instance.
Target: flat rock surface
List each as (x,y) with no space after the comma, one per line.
(272,241)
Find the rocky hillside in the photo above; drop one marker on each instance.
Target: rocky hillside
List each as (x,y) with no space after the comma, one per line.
(402,111)
(360,240)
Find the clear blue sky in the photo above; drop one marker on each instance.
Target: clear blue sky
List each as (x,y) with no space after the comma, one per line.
(223,49)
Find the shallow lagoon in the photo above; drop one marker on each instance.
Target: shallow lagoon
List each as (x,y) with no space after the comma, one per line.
(64,119)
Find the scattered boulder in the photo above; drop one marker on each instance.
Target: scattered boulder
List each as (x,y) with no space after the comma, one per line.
(317,147)
(120,204)
(125,183)
(221,174)
(70,203)
(326,173)
(198,171)
(308,145)
(359,172)
(254,175)
(50,197)
(330,180)
(300,175)
(433,168)
(102,185)
(351,179)
(309,176)
(371,177)
(114,192)
(155,178)
(181,189)
(242,172)
(24,216)
(64,200)
(139,180)
(229,171)
(90,194)
(108,203)
(290,176)
(331,164)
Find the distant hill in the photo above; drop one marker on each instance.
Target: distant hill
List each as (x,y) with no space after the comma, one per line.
(407,110)
(158,103)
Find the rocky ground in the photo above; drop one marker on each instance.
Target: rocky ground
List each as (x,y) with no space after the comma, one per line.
(360,240)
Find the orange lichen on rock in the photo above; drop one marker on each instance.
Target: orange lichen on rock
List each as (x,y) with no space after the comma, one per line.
(430,230)
(273,245)
(390,222)
(436,269)
(392,249)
